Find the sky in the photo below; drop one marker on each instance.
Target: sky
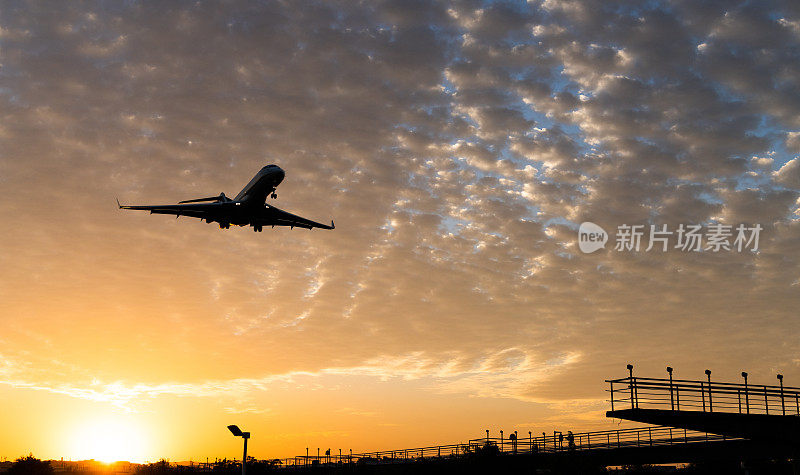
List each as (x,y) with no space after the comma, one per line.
(458,146)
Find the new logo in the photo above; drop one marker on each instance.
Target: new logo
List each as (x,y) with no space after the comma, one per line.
(591,237)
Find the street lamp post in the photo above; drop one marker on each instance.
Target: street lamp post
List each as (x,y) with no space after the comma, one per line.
(244,435)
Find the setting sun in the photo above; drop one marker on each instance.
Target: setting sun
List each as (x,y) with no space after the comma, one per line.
(108,440)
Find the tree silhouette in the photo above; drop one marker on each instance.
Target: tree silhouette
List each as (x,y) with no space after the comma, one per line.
(158,468)
(30,465)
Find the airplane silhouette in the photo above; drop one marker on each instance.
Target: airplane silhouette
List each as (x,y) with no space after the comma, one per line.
(248,208)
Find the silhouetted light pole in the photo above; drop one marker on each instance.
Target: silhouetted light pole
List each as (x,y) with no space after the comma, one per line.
(710,405)
(244,435)
(783,407)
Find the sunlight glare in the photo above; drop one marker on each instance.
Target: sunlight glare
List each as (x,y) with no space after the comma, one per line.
(108,440)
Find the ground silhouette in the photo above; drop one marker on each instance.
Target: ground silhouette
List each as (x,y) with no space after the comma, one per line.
(30,465)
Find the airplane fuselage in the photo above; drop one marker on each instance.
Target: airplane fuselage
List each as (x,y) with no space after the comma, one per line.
(248,208)
(262,184)
(239,211)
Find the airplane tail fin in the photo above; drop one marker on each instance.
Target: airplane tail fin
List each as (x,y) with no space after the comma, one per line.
(120,206)
(333,226)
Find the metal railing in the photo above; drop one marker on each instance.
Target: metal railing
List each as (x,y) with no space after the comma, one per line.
(558,442)
(649,436)
(706,396)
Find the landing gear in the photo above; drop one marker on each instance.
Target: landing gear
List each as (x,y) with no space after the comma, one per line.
(274,195)
(257,228)
(224,225)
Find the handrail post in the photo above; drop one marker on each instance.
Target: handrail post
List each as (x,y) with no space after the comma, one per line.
(739,398)
(612,395)
(671,400)
(766,402)
(783,406)
(703,395)
(630,383)
(746,394)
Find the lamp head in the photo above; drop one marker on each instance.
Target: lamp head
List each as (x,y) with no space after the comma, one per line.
(235,430)
(780,377)
(669,369)
(744,374)
(708,372)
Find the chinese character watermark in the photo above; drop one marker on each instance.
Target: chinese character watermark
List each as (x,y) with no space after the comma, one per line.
(715,237)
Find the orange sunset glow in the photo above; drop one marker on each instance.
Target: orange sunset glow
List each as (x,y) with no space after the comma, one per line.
(458,146)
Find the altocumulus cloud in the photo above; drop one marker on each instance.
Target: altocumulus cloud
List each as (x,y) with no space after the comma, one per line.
(457,144)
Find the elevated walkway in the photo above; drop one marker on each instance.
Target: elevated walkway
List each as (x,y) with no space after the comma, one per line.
(776,428)
(756,412)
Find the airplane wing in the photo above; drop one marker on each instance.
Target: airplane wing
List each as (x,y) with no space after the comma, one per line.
(272,216)
(194,210)
(223,212)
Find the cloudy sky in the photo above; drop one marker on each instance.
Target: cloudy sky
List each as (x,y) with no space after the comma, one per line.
(458,145)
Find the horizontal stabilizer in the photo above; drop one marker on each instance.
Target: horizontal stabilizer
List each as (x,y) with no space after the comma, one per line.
(221,197)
